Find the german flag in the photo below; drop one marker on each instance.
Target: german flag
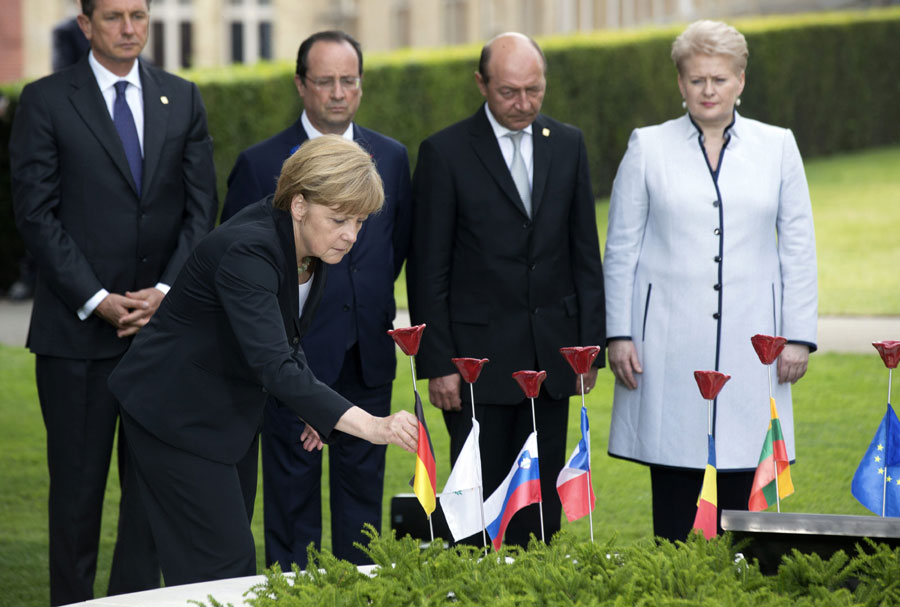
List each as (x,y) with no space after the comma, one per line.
(424,483)
(707,505)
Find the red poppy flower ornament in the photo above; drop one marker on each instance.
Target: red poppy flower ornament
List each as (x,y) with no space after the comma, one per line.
(580,358)
(890,352)
(710,383)
(469,368)
(408,338)
(530,381)
(767,347)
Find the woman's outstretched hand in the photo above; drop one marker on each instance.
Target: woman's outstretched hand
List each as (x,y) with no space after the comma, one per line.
(400,428)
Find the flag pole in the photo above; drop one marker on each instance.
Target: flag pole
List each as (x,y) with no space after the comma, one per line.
(590,484)
(774,459)
(540,501)
(412,368)
(480,486)
(885,475)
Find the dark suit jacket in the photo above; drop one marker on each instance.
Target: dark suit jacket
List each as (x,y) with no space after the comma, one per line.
(365,277)
(488,281)
(227,333)
(77,208)
(69,44)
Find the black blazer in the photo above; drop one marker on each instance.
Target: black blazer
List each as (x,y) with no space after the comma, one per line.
(489,281)
(227,333)
(362,283)
(78,210)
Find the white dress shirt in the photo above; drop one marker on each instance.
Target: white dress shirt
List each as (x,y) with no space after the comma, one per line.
(312,132)
(526,145)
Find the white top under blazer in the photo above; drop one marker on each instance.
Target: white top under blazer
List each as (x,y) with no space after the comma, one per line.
(696,263)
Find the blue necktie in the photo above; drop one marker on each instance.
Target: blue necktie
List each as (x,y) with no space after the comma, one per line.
(124,121)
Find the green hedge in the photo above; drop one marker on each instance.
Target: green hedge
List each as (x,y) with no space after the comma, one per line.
(644,574)
(833,78)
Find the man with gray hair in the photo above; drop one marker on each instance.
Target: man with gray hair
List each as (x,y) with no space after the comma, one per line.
(506,265)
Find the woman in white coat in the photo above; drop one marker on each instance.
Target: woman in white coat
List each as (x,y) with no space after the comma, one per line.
(710,242)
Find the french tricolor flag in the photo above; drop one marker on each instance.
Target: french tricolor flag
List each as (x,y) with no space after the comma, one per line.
(520,488)
(574,481)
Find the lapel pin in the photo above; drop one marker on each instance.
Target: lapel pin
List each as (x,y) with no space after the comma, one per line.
(545,132)
(165,101)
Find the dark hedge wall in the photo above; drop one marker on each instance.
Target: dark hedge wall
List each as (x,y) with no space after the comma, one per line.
(834,78)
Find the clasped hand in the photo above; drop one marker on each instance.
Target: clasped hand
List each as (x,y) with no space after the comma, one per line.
(130,312)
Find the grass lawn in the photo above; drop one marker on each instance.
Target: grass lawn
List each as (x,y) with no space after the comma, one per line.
(837,406)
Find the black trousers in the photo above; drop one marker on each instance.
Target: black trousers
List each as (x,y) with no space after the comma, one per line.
(292,478)
(196,509)
(675,493)
(504,429)
(80,415)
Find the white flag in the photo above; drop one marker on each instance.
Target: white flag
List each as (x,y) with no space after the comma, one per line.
(461,498)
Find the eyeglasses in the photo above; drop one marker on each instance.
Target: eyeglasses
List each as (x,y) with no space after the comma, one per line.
(350,83)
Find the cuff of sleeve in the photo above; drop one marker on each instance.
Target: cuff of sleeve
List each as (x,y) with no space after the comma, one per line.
(161,286)
(90,305)
(618,338)
(812,347)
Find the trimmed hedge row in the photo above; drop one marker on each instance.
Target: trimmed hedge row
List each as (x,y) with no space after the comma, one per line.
(567,572)
(831,77)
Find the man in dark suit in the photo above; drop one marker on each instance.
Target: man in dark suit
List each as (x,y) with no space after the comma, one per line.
(113,185)
(505,265)
(69,44)
(347,342)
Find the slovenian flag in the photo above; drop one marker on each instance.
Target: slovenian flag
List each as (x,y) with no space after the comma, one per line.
(707,505)
(424,482)
(520,488)
(574,481)
(774,453)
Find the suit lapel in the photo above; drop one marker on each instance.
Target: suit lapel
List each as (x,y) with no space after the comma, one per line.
(289,298)
(88,102)
(543,157)
(488,151)
(156,118)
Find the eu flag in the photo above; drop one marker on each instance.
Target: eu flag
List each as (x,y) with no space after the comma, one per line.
(876,483)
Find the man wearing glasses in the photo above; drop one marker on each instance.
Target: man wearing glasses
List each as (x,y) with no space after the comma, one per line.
(347,345)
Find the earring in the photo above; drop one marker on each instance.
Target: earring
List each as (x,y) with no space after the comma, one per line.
(737,102)
(683,104)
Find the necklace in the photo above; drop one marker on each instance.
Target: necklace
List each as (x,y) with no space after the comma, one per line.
(303,266)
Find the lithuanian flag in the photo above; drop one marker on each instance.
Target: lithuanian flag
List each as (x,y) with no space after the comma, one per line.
(774,454)
(707,505)
(424,482)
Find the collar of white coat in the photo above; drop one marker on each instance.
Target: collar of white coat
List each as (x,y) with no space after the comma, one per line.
(691,130)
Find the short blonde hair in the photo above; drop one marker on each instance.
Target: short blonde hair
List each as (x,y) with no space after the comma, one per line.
(334,172)
(710,38)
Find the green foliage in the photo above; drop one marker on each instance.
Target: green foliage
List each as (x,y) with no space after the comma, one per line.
(828,76)
(570,572)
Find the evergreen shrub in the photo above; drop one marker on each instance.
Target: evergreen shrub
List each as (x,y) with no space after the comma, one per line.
(646,574)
